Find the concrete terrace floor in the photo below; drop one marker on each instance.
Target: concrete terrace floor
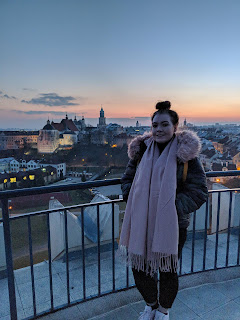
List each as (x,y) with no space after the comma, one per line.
(211,295)
(213,301)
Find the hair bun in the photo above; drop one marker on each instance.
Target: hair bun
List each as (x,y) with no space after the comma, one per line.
(163,105)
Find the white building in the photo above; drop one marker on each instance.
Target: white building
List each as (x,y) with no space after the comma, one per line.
(53,136)
(5,164)
(48,140)
(13,165)
(60,167)
(67,139)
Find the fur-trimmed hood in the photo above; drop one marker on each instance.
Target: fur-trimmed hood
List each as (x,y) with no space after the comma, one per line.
(189,145)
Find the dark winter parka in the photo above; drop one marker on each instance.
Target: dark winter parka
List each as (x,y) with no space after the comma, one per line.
(191,194)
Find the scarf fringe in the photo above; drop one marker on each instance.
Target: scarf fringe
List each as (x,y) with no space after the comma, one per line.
(160,262)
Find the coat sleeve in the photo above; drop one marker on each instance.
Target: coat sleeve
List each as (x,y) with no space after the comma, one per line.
(194,190)
(127,178)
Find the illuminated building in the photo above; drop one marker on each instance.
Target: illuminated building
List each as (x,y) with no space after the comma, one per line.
(48,140)
(12,140)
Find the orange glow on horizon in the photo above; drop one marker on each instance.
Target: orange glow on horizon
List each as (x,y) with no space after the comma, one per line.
(209,110)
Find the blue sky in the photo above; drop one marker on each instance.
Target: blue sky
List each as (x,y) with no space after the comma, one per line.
(72,56)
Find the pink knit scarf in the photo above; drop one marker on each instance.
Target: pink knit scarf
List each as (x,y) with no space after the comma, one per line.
(149,236)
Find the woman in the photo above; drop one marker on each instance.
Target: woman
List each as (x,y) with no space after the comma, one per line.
(159,203)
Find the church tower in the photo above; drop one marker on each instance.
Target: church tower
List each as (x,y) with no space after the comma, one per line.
(102,119)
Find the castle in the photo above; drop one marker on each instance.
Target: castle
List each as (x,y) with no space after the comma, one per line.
(64,135)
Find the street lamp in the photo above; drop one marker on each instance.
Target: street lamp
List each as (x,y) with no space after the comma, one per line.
(10,206)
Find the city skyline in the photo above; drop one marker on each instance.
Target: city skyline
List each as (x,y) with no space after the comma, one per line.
(72,56)
(125,122)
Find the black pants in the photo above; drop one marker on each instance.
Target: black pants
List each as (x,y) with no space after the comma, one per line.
(147,285)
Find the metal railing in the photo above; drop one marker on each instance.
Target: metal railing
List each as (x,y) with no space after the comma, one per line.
(6,219)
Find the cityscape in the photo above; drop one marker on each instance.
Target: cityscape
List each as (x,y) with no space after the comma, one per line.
(39,153)
(79,80)
(72,151)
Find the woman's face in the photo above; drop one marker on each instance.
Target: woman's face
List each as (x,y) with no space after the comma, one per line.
(162,128)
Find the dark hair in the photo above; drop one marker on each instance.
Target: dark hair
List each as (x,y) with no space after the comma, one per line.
(164,107)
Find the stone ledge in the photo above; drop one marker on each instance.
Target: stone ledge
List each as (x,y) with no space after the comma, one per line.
(112,301)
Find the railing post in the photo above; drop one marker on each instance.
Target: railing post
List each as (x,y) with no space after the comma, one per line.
(113,247)
(83,254)
(9,260)
(98,251)
(66,250)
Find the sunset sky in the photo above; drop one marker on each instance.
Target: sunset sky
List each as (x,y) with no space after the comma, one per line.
(74,56)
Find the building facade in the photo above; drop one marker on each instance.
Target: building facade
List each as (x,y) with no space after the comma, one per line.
(48,140)
(13,140)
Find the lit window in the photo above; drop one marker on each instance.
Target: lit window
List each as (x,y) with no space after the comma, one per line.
(31,176)
(52,173)
(25,178)
(5,181)
(12,180)
(44,169)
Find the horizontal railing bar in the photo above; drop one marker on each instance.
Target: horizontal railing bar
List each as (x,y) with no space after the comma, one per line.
(64,208)
(89,184)
(15,217)
(35,213)
(228,173)
(224,190)
(57,188)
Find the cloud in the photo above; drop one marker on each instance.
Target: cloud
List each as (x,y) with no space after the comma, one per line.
(7,97)
(47,112)
(52,100)
(29,89)
(58,113)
